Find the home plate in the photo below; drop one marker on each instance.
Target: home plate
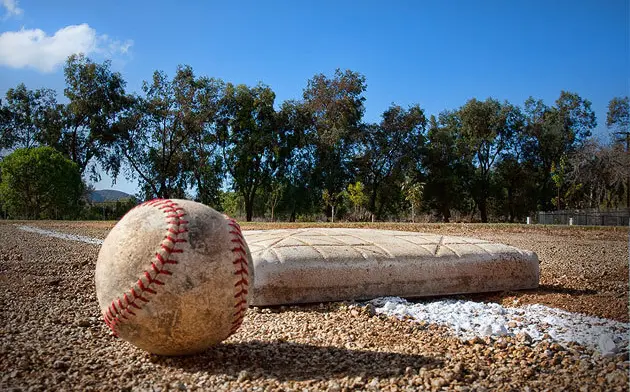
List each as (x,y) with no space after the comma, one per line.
(318,265)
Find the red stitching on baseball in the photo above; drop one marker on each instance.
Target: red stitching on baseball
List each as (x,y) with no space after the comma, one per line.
(170,250)
(120,309)
(162,260)
(241,273)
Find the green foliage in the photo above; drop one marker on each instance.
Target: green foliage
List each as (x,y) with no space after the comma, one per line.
(275,197)
(414,191)
(110,210)
(487,128)
(357,198)
(558,175)
(28,118)
(167,137)
(249,138)
(194,137)
(448,166)
(387,151)
(336,107)
(232,204)
(97,98)
(40,183)
(332,200)
(618,116)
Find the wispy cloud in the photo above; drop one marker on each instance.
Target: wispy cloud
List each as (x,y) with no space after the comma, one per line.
(12,9)
(33,48)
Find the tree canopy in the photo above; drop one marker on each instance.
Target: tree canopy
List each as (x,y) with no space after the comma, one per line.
(236,148)
(40,183)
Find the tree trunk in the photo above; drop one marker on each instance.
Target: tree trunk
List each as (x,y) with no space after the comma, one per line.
(373,202)
(292,217)
(446,214)
(483,210)
(249,210)
(558,201)
(510,205)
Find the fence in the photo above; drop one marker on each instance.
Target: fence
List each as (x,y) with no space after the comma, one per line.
(619,217)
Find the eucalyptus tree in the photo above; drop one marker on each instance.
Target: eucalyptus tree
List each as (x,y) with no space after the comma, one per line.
(388,150)
(447,163)
(487,128)
(296,163)
(29,118)
(336,107)
(618,119)
(555,132)
(97,99)
(168,138)
(249,139)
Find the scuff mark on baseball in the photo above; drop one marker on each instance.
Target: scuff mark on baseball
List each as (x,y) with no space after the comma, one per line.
(173,277)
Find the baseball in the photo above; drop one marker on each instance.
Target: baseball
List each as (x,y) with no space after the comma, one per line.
(173,277)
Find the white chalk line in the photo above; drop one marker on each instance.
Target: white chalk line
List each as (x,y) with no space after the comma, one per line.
(64,236)
(467,319)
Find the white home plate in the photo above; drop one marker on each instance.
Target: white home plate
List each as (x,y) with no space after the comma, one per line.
(317,265)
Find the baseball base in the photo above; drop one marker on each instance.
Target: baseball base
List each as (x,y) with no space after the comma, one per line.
(172,277)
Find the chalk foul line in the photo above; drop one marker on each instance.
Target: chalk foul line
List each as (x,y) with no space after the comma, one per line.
(64,236)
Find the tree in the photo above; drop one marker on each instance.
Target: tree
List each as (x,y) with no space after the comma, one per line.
(515,177)
(28,116)
(558,175)
(39,183)
(555,131)
(487,128)
(169,139)
(6,136)
(597,174)
(448,165)
(97,99)
(249,138)
(336,107)
(356,195)
(199,103)
(296,161)
(275,195)
(618,118)
(151,137)
(413,194)
(618,115)
(332,200)
(390,149)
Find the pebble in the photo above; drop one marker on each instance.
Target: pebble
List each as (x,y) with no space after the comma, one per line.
(290,348)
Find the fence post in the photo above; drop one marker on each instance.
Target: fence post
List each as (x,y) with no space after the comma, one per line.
(528,220)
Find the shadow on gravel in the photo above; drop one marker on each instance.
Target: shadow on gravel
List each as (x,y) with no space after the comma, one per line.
(557,289)
(543,289)
(295,361)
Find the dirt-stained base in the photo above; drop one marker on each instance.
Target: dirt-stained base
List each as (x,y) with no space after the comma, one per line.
(52,337)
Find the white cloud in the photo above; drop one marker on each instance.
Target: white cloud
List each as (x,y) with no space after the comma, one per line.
(33,48)
(12,8)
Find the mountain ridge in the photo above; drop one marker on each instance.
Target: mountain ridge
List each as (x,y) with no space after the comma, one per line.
(103,195)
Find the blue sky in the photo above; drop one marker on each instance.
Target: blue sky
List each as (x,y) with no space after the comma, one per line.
(438,54)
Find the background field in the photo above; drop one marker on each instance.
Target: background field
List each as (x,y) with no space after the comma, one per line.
(54,337)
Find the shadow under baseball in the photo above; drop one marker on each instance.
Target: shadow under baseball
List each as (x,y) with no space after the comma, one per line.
(297,362)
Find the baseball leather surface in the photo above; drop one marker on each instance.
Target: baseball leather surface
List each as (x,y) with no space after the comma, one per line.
(173,277)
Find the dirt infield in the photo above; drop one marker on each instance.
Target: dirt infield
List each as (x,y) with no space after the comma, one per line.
(53,337)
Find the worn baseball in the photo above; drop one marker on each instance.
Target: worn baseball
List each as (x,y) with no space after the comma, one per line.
(173,277)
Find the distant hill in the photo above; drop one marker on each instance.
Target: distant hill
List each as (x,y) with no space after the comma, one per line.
(102,195)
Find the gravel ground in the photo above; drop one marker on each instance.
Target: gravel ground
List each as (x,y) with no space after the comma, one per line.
(52,336)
